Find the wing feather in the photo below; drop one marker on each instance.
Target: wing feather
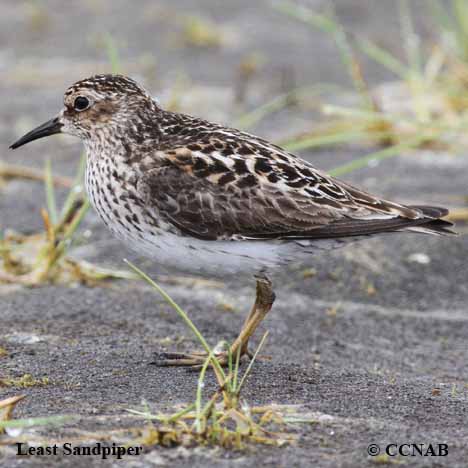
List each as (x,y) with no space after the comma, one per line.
(251,193)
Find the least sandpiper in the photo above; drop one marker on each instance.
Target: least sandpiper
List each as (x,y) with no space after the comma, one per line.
(212,200)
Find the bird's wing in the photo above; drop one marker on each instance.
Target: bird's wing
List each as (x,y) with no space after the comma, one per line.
(259,191)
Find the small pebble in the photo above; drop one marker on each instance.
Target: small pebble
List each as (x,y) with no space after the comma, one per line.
(421,258)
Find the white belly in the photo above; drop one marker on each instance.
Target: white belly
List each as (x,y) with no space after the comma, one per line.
(221,258)
(209,258)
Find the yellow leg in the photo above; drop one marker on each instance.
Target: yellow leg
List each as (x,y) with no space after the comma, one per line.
(263,302)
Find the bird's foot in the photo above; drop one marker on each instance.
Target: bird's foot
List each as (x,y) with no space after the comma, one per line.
(194,359)
(263,302)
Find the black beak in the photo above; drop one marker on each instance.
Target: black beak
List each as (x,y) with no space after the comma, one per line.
(51,127)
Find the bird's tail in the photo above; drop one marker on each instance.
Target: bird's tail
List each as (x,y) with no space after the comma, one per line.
(432,224)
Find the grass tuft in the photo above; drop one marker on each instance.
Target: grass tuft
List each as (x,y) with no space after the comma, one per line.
(15,426)
(218,418)
(25,381)
(200,32)
(42,257)
(223,418)
(427,104)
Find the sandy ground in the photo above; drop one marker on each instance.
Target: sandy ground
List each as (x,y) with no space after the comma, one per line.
(389,366)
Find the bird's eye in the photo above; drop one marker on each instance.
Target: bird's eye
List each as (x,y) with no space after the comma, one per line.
(81,103)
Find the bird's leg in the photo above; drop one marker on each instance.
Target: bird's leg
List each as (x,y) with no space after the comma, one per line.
(263,302)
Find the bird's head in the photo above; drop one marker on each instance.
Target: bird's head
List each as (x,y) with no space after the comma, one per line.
(96,106)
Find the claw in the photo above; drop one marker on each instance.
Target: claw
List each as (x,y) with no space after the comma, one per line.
(179,359)
(263,302)
(194,360)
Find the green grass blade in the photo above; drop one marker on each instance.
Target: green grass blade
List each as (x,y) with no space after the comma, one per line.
(50,193)
(249,368)
(146,415)
(76,190)
(176,416)
(460,12)
(441,17)
(377,156)
(173,418)
(34,422)
(330,26)
(112,53)
(182,315)
(315,141)
(383,57)
(236,371)
(251,118)
(230,370)
(198,401)
(371,117)
(353,113)
(100,273)
(76,221)
(69,232)
(411,40)
(306,15)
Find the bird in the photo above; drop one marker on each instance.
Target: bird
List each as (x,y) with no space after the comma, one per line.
(211,200)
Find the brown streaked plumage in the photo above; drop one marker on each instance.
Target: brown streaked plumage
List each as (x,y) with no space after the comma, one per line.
(209,199)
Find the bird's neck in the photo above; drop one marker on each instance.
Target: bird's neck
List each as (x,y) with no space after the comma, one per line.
(125,140)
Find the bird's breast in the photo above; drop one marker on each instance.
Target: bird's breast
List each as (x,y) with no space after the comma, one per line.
(111,187)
